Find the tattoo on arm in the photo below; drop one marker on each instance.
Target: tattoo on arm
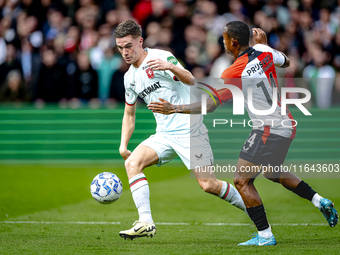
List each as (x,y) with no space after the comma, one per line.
(195,108)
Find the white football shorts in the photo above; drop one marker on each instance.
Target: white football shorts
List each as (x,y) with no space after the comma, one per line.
(193,151)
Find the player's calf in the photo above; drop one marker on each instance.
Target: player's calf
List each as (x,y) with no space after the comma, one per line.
(222,189)
(286,179)
(210,185)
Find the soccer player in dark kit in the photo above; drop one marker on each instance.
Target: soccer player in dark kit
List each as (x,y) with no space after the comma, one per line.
(268,144)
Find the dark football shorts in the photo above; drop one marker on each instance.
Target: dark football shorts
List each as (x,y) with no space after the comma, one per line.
(263,149)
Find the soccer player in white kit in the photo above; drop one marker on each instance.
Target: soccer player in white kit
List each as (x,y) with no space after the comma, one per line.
(157,74)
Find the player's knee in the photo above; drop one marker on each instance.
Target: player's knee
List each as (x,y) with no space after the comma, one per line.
(132,167)
(240,182)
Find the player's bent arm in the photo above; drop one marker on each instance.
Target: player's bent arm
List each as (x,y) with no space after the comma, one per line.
(182,74)
(287,61)
(260,37)
(196,108)
(128,127)
(164,107)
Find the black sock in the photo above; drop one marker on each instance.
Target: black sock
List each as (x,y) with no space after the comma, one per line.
(258,215)
(304,190)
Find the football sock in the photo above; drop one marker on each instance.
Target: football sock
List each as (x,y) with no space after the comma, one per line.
(316,200)
(304,190)
(258,215)
(267,233)
(141,196)
(230,194)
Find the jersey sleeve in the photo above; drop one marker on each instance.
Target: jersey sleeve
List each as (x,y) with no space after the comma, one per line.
(232,76)
(171,59)
(278,58)
(130,93)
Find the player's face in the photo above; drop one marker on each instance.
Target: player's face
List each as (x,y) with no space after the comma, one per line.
(130,48)
(228,44)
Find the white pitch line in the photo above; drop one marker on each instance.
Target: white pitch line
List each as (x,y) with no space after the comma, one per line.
(272,224)
(157,223)
(173,223)
(299,224)
(62,222)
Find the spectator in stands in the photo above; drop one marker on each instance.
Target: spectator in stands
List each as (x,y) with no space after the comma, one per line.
(56,23)
(109,65)
(52,84)
(320,77)
(324,29)
(117,90)
(189,29)
(11,63)
(30,61)
(180,18)
(85,87)
(11,9)
(14,89)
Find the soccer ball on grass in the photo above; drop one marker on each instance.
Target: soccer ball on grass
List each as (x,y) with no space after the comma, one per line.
(106,188)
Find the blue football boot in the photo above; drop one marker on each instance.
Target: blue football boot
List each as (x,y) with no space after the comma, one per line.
(328,210)
(258,240)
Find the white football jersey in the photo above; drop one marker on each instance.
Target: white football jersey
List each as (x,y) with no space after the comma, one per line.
(151,85)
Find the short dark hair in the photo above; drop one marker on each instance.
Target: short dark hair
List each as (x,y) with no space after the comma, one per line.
(239,31)
(128,27)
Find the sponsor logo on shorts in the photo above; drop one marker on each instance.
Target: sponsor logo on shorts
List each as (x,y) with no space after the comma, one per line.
(200,156)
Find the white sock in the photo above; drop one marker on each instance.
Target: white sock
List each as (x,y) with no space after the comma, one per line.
(141,196)
(266,233)
(316,200)
(230,194)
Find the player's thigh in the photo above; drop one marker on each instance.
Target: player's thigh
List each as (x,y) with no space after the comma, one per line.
(160,144)
(274,170)
(263,149)
(195,152)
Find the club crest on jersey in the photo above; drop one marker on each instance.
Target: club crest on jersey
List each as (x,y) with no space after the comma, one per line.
(150,73)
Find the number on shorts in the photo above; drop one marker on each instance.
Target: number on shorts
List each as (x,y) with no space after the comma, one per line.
(251,141)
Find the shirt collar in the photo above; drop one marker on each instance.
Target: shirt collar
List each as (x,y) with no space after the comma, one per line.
(250,49)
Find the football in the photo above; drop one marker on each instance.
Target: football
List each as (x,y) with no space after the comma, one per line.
(106,188)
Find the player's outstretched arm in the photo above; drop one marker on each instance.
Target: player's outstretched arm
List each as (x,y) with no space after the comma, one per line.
(181,74)
(128,127)
(165,107)
(261,37)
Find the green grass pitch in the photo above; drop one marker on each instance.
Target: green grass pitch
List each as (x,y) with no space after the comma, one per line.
(48,209)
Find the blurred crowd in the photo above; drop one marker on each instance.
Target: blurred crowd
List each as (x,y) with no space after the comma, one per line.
(64,51)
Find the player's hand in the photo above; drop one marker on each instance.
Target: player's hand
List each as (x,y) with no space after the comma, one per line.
(163,107)
(158,64)
(259,36)
(125,153)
